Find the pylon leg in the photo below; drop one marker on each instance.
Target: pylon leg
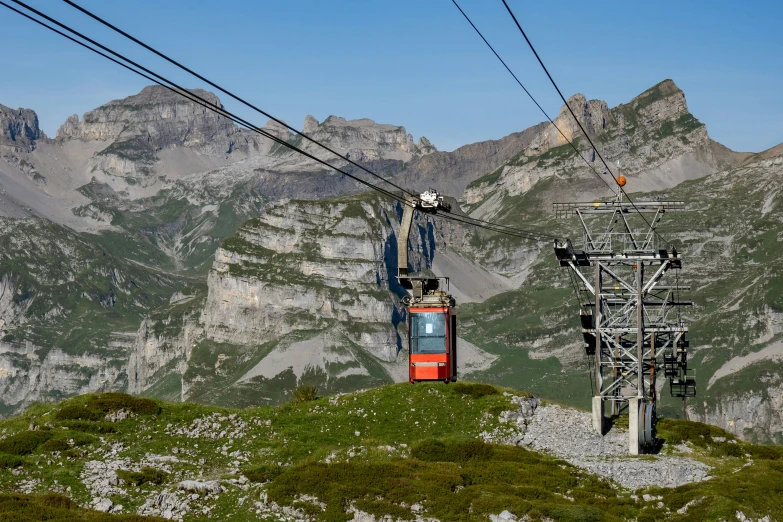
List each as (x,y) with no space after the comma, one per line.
(598,414)
(633,426)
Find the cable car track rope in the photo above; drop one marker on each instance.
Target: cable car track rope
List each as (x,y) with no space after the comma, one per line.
(255,108)
(559,92)
(173,87)
(579,153)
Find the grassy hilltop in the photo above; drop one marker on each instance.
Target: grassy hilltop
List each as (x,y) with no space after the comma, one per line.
(398,450)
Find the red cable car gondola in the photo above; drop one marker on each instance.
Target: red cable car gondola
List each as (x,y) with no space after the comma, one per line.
(432,339)
(432,323)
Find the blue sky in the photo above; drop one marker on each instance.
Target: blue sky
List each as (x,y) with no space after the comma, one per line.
(417,63)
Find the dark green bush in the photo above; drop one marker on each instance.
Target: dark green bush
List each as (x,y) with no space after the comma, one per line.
(10,461)
(763,452)
(24,443)
(57,501)
(698,434)
(430,451)
(567,513)
(146,475)
(78,438)
(474,390)
(54,445)
(111,402)
(724,449)
(91,427)
(437,451)
(77,412)
(305,393)
(19,507)
(263,473)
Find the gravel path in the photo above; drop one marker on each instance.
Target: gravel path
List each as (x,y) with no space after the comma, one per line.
(568,434)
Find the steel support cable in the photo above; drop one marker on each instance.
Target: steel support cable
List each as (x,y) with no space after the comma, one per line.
(591,167)
(559,92)
(175,88)
(539,236)
(229,93)
(248,104)
(454,217)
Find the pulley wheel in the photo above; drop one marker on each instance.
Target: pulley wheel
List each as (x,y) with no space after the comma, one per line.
(647,420)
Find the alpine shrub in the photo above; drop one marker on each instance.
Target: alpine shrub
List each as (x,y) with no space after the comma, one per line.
(54,445)
(10,461)
(146,475)
(305,393)
(24,443)
(111,402)
(77,412)
(474,390)
(263,473)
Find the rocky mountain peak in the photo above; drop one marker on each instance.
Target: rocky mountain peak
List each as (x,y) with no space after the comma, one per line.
(279,130)
(19,128)
(364,139)
(664,101)
(310,124)
(160,119)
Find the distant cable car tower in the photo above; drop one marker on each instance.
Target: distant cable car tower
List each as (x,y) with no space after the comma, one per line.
(432,323)
(626,309)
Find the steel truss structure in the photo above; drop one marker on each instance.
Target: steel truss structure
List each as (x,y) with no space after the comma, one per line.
(629,317)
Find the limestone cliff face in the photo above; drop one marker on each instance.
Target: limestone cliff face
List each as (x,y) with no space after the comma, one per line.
(594,115)
(754,416)
(300,266)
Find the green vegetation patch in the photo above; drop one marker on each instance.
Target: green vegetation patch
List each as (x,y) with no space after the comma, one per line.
(24,443)
(475,390)
(77,412)
(53,445)
(147,475)
(112,402)
(10,461)
(454,481)
(90,427)
(56,508)
(303,393)
(263,473)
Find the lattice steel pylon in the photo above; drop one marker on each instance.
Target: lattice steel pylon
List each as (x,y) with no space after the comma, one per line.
(627,297)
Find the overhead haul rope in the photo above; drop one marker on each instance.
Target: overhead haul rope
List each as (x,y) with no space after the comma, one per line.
(578,152)
(248,104)
(230,94)
(559,92)
(173,87)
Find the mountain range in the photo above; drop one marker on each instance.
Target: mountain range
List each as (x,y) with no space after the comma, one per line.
(153,247)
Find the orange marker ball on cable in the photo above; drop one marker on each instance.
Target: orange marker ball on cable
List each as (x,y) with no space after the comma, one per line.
(621,181)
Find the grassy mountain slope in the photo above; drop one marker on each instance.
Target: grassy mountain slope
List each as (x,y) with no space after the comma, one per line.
(397,450)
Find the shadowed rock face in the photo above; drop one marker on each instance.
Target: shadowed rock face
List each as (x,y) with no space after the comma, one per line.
(19,128)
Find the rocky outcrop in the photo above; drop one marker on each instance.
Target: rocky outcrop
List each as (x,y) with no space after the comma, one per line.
(301,266)
(155,119)
(364,140)
(756,416)
(19,129)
